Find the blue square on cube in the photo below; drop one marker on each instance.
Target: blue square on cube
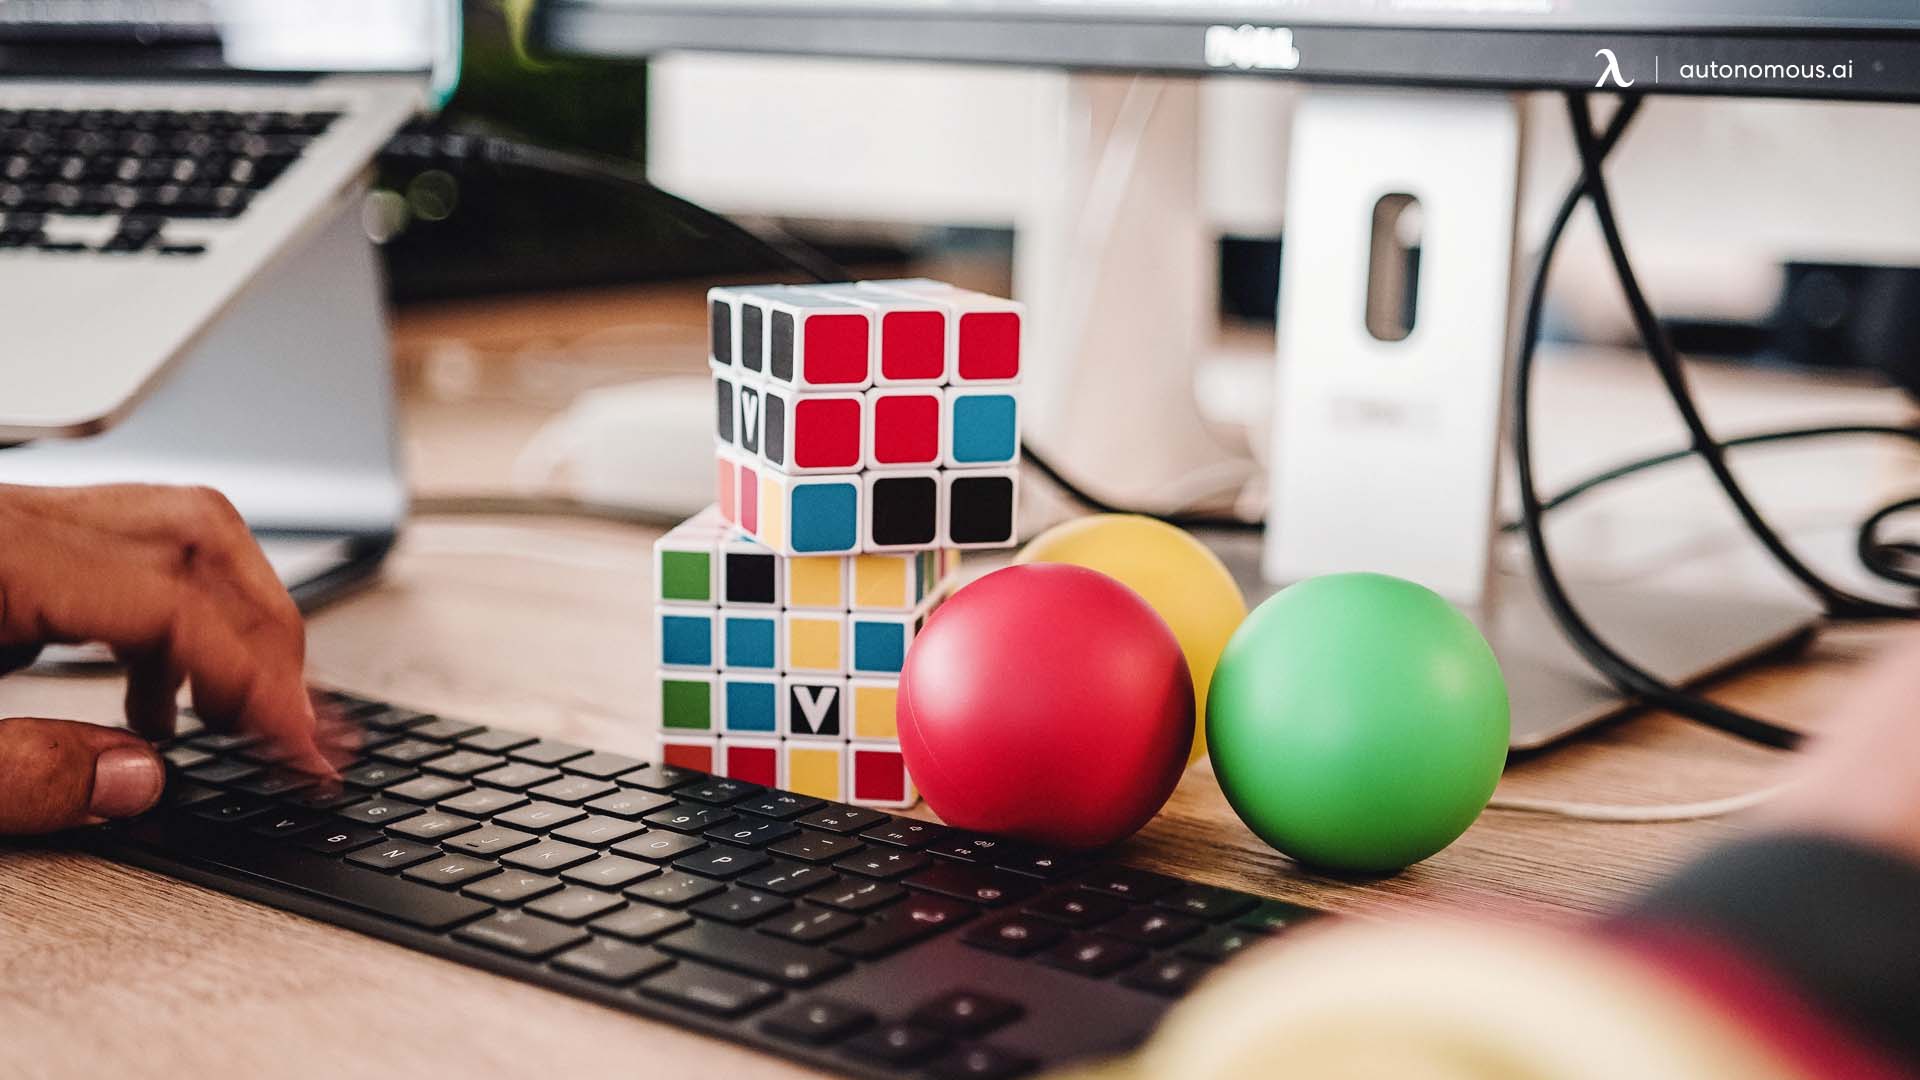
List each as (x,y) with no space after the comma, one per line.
(686,640)
(879,646)
(826,517)
(751,706)
(984,429)
(750,642)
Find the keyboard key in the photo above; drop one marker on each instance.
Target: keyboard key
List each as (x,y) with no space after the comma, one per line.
(1129,884)
(835,818)
(739,907)
(540,816)
(674,889)
(896,1044)
(1275,915)
(186,757)
(816,1022)
(613,962)
(378,774)
(659,846)
(451,871)
(406,751)
(339,840)
(428,789)
(779,805)
(223,742)
(393,855)
(1169,976)
(717,791)
(494,740)
(900,925)
(511,887)
(710,990)
(661,778)
(232,808)
(443,730)
(491,840)
(906,833)
(1016,935)
(884,863)
(1154,929)
(574,904)
(484,802)
(286,824)
(602,765)
(184,793)
(1209,903)
(753,954)
(517,776)
(547,752)
(276,782)
(981,1063)
(978,884)
(787,878)
(688,817)
(517,933)
(548,856)
(1221,943)
(1076,908)
(810,926)
(1090,954)
(572,789)
(380,811)
(610,872)
(966,1013)
(325,798)
(382,718)
(857,896)
(722,862)
(629,803)
(224,773)
(433,826)
(816,846)
(598,831)
(966,847)
(462,763)
(642,922)
(1034,862)
(751,832)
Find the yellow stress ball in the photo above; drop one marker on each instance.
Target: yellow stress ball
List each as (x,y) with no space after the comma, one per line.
(1176,574)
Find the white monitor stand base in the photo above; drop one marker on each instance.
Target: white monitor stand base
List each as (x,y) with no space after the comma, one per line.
(1386,449)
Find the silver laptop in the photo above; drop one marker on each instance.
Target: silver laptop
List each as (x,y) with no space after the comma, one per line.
(187,293)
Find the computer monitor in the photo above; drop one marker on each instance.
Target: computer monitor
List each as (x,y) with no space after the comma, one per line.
(1836,49)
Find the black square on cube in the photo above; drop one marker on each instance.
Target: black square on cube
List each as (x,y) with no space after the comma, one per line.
(981,509)
(774,445)
(723,409)
(780,362)
(750,578)
(721,315)
(750,321)
(906,510)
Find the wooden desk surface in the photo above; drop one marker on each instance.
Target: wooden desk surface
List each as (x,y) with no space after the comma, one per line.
(106,970)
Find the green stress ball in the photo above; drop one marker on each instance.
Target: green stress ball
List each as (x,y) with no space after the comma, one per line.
(1358,722)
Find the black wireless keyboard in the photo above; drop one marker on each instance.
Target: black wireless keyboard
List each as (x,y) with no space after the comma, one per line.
(833,935)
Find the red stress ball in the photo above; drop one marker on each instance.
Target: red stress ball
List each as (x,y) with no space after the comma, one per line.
(1046,702)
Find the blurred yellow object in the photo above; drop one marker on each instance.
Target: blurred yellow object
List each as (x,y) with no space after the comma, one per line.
(1176,574)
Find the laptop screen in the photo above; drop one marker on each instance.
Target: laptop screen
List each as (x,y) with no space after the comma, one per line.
(79,37)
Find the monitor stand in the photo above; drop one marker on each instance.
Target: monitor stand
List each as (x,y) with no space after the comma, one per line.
(1398,280)
(286,405)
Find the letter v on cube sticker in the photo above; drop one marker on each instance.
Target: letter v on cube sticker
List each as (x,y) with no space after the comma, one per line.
(815,708)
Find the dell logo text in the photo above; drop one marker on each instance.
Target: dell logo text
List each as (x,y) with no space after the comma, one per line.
(1246,47)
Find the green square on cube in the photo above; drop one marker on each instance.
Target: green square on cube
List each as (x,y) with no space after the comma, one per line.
(686,704)
(686,575)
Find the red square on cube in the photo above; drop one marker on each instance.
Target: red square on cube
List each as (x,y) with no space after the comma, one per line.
(913,345)
(724,490)
(749,518)
(754,764)
(879,775)
(695,756)
(990,345)
(836,349)
(906,429)
(826,433)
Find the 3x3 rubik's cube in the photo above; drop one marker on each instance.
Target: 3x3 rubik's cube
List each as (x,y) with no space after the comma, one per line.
(865,433)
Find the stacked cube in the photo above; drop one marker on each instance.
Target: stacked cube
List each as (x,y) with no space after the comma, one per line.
(865,434)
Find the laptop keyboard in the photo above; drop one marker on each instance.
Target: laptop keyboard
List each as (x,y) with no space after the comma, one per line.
(146,167)
(834,935)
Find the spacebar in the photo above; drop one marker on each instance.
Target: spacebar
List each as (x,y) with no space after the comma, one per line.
(232,849)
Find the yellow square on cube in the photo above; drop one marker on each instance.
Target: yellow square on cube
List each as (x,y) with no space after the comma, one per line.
(817,581)
(880,581)
(773,512)
(873,706)
(815,771)
(815,642)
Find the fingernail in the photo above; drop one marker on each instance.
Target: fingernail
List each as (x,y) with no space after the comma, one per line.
(126,781)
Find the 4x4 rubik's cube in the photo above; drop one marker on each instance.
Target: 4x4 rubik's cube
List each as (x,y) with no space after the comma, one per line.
(866,433)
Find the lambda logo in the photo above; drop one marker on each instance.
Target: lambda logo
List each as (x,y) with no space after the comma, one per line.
(1611,71)
(1246,47)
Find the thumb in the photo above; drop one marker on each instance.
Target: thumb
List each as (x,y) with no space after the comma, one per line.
(57,774)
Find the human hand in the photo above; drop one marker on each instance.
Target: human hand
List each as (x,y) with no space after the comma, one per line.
(173,582)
